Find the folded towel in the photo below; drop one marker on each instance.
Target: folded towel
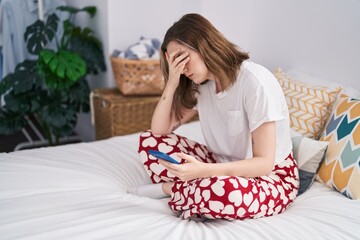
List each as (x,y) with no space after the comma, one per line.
(146,48)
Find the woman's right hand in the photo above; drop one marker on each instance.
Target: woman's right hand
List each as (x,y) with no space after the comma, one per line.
(177,62)
(177,65)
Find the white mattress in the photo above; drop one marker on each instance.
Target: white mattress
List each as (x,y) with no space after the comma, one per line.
(78,191)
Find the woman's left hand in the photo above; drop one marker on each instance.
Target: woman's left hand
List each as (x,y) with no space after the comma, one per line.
(190,170)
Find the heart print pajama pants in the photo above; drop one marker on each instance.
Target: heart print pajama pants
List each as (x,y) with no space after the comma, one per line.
(227,197)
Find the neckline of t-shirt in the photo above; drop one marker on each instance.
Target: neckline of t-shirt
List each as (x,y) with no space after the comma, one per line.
(218,95)
(222,94)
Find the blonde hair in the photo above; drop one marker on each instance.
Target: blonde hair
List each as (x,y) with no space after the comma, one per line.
(222,58)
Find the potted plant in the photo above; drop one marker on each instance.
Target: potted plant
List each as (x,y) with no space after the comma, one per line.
(53,88)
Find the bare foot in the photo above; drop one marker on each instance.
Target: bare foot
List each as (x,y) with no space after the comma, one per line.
(166,187)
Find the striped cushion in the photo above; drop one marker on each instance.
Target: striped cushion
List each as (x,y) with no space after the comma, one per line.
(340,169)
(309,105)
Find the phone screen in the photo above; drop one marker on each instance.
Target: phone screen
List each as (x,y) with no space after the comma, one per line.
(163,156)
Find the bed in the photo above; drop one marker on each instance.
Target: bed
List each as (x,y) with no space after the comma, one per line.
(79,191)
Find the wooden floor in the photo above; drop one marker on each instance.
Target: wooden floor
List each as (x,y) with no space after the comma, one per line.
(9,142)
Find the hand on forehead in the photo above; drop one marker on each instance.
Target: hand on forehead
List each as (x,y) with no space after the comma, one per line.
(178,48)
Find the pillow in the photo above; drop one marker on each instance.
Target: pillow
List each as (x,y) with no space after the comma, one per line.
(340,169)
(306,78)
(309,105)
(308,154)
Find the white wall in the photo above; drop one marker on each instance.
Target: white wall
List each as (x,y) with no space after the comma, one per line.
(319,37)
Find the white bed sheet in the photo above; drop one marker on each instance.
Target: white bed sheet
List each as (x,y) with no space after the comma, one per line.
(78,191)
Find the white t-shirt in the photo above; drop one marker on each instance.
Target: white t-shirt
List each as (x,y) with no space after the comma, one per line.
(228,118)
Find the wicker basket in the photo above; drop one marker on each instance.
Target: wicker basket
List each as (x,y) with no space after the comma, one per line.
(138,77)
(115,114)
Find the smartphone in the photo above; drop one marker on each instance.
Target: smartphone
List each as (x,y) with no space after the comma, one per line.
(163,156)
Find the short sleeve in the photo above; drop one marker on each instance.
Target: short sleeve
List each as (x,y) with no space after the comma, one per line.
(263,106)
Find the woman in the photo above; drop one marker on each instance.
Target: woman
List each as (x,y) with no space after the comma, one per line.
(246,169)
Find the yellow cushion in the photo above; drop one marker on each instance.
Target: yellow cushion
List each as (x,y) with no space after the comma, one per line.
(340,169)
(309,105)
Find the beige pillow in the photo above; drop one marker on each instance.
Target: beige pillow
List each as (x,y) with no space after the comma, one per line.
(309,105)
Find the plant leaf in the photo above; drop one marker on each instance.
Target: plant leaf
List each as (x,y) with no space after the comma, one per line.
(91,10)
(61,118)
(33,37)
(11,122)
(78,95)
(90,48)
(51,26)
(25,78)
(68,27)
(38,34)
(5,83)
(23,103)
(61,69)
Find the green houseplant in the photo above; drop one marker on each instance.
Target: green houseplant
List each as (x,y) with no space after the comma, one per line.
(52,89)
